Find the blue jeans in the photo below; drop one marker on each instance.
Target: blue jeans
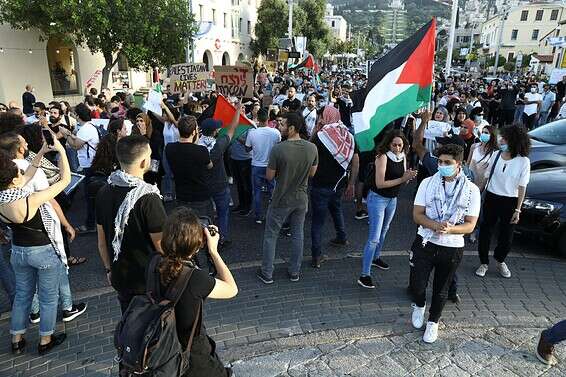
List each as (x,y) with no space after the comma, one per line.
(325,199)
(556,333)
(222,202)
(519,113)
(381,211)
(7,276)
(543,118)
(258,180)
(64,294)
(35,266)
(273,223)
(167,184)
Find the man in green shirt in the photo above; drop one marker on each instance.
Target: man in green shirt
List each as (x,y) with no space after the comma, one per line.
(291,163)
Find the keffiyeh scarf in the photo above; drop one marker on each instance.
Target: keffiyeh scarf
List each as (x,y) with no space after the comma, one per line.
(339,142)
(49,218)
(440,207)
(140,188)
(207,141)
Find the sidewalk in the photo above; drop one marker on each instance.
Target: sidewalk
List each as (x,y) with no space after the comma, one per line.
(325,325)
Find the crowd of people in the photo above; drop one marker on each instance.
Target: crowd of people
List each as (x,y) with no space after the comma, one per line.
(468,156)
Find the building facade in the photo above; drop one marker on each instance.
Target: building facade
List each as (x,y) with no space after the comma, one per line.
(394,26)
(526,28)
(61,71)
(337,24)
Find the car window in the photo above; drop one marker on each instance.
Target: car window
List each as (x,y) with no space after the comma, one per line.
(551,133)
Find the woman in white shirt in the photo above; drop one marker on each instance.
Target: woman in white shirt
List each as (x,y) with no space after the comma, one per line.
(507,177)
(477,116)
(481,153)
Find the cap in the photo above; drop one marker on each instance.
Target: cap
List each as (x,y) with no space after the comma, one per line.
(210,124)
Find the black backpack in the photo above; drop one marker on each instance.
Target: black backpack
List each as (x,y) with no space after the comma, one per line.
(146,337)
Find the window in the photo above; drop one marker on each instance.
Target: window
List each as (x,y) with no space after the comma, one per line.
(554,15)
(200,12)
(225,20)
(249,27)
(510,56)
(514,34)
(534,36)
(214,16)
(333,23)
(62,69)
(539,15)
(524,15)
(240,26)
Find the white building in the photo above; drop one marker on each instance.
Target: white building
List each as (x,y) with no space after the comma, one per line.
(525,30)
(337,24)
(58,70)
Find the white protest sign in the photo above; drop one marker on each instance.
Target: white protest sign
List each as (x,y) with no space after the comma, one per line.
(153,102)
(556,75)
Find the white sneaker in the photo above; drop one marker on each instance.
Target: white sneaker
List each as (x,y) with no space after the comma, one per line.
(230,180)
(482,269)
(431,332)
(504,270)
(418,316)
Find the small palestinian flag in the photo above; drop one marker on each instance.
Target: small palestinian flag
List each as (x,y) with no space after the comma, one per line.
(398,84)
(223,111)
(307,63)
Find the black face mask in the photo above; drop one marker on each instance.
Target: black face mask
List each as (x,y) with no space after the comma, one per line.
(54,120)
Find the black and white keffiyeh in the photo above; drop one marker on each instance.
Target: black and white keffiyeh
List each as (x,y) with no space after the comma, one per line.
(49,218)
(441,207)
(207,141)
(140,188)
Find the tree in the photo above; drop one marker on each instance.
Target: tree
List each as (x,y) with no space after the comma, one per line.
(271,25)
(509,67)
(315,28)
(148,33)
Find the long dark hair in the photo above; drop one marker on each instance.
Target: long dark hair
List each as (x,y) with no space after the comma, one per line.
(183,236)
(105,160)
(517,139)
(383,147)
(491,145)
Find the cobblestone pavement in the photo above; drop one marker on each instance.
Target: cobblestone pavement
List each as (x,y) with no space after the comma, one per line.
(326,325)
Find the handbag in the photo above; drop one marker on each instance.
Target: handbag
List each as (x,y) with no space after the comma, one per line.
(490,175)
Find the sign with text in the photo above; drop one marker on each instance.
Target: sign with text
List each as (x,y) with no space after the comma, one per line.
(189,78)
(234,81)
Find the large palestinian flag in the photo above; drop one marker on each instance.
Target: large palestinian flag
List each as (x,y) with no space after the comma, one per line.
(398,84)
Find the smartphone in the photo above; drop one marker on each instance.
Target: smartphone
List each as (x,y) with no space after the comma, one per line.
(48,136)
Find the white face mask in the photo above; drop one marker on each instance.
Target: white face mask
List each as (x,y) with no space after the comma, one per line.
(533,90)
(479,118)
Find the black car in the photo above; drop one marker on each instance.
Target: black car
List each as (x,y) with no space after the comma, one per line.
(544,209)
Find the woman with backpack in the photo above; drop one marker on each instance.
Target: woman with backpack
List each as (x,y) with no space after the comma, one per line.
(183,237)
(389,174)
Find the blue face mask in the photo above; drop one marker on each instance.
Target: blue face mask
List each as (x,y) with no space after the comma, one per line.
(503,148)
(484,138)
(447,170)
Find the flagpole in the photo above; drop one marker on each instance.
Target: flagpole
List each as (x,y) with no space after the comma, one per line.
(451,37)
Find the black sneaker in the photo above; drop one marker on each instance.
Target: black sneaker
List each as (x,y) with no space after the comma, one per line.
(337,242)
(294,277)
(362,214)
(379,263)
(264,278)
(55,341)
(34,318)
(366,282)
(76,310)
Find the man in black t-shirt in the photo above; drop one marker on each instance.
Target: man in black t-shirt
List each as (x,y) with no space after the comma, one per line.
(328,186)
(28,99)
(291,104)
(190,164)
(507,108)
(126,256)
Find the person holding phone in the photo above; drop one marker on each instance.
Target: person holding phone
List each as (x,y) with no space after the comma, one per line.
(38,254)
(389,174)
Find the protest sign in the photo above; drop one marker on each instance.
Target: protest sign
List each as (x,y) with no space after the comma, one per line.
(232,81)
(556,75)
(190,78)
(153,102)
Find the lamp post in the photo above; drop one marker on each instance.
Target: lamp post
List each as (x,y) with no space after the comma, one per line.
(451,37)
(290,29)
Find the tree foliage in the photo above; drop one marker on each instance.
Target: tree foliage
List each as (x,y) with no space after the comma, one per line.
(148,32)
(308,21)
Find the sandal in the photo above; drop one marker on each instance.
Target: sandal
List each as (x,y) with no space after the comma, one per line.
(74,261)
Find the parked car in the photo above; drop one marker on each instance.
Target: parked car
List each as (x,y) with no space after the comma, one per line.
(548,145)
(544,209)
